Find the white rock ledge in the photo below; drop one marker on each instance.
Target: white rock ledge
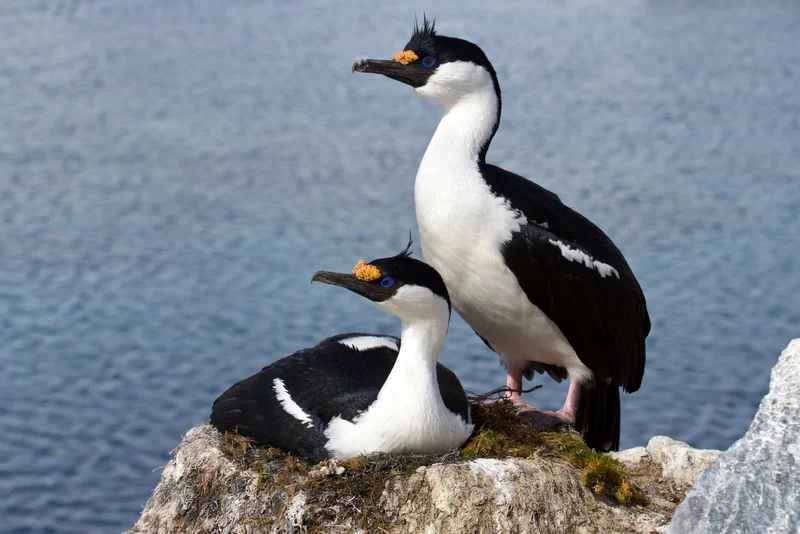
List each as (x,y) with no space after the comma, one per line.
(752,487)
(203,490)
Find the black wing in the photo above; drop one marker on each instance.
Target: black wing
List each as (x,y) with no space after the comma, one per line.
(357,376)
(603,317)
(326,381)
(453,395)
(333,379)
(251,408)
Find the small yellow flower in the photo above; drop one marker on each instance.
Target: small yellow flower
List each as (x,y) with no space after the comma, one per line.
(366,272)
(405,57)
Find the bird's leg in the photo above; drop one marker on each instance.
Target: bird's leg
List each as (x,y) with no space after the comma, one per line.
(513,393)
(564,416)
(567,412)
(514,385)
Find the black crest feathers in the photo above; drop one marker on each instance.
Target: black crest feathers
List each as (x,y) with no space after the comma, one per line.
(407,252)
(428,28)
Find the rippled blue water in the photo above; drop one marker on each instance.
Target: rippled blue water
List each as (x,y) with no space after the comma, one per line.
(172,173)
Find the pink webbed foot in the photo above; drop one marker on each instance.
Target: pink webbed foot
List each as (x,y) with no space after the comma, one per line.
(565,417)
(546,420)
(552,420)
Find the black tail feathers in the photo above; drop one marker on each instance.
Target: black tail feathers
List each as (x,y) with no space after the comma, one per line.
(598,415)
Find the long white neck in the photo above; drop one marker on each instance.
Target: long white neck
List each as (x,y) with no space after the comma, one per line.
(468,125)
(413,377)
(449,169)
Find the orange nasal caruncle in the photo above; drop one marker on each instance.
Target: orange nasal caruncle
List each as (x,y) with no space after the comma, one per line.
(366,272)
(405,57)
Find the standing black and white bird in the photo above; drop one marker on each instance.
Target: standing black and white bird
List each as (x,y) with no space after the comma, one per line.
(356,394)
(541,285)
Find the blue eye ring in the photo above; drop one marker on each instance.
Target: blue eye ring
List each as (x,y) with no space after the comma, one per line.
(387,282)
(429,62)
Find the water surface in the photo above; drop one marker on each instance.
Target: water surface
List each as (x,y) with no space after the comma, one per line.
(172,173)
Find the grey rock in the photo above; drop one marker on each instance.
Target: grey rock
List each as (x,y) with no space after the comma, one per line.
(754,487)
(203,489)
(631,457)
(678,460)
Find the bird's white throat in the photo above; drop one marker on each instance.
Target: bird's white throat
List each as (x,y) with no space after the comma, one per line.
(412,382)
(409,413)
(471,111)
(453,202)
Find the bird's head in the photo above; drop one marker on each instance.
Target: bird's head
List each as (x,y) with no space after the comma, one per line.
(439,68)
(402,285)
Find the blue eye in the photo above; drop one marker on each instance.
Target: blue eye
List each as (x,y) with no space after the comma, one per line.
(387,282)
(429,62)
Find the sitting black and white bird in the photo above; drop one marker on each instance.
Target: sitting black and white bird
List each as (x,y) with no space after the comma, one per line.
(355,394)
(543,287)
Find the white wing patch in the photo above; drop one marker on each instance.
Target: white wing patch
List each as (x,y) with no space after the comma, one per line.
(573,254)
(369,342)
(291,407)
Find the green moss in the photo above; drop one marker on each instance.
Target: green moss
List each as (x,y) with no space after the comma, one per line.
(501,434)
(486,443)
(604,475)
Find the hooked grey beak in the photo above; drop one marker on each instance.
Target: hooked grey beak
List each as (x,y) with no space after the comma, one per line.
(348,281)
(412,74)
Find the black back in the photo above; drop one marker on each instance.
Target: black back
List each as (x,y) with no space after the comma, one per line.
(605,319)
(326,381)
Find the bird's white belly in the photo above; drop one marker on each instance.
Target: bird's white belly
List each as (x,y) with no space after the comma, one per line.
(395,428)
(464,243)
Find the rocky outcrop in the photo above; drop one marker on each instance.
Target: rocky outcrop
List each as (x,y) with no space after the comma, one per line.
(209,487)
(222,484)
(755,485)
(679,461)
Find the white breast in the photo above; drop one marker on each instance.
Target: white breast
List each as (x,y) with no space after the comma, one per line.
(462,227)
(398,429)
(408,416)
